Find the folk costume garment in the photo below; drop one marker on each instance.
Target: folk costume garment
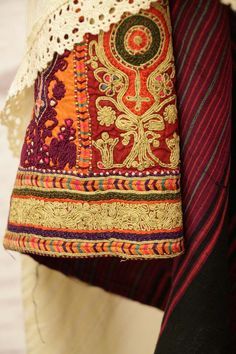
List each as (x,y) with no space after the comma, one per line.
(99,171)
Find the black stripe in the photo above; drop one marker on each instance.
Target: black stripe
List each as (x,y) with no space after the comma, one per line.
(98,196)
(190,265)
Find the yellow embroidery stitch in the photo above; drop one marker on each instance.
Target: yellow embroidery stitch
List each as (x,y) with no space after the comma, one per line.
(92,216)
(106,116)
(170,114)
(106,146)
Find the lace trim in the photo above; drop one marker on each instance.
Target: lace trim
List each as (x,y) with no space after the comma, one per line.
(65,23)
(64,27)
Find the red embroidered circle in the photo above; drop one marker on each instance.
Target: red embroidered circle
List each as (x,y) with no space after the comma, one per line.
(138,39)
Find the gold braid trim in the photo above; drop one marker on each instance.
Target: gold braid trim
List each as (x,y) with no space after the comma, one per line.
(140,216)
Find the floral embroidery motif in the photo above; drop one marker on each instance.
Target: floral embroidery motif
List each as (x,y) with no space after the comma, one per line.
(106,146)
(62,149)
(163,85)
(49,144)
(138,40)
(173,145)
(134,69)
(170,114)
(111,84)
(106,116)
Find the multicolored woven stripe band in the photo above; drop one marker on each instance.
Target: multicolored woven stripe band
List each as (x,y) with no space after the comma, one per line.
(30,243)
(99,171)
(127,217)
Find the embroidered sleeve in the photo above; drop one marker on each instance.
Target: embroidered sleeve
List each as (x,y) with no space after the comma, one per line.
(99,171)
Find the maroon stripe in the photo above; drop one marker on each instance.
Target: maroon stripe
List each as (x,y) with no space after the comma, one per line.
(196,46)
(220,217)
(210,112)
(200,163)
(204,116)
(161,290)
(196,95)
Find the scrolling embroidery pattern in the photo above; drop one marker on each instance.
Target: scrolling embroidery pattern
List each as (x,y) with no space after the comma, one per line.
(133,68)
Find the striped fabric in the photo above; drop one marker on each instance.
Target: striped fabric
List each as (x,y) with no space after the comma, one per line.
(194,290)
(232,196)
(199,286)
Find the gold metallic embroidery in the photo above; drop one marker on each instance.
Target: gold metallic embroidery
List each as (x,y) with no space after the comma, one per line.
(142,130)
(140,216)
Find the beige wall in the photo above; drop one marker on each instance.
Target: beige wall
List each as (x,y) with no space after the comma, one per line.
(12,28)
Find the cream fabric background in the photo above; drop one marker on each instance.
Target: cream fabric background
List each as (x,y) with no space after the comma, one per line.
(66,316)
(12,340)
